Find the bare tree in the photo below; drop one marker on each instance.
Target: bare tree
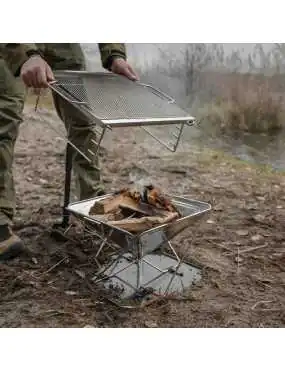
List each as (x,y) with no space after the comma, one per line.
(189,62)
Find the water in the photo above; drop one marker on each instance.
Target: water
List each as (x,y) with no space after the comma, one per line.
(256,148)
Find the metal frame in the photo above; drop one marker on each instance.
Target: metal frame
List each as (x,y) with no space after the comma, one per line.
(140,289)
(121,242)
(140,246)
(112,123)
(100,127)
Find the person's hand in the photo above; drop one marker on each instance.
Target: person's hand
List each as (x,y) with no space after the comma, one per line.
(36,73)
(121,67)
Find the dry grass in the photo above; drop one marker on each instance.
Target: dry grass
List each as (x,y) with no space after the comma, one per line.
(246,103)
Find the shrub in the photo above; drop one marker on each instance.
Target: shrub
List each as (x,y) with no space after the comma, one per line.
(246,103)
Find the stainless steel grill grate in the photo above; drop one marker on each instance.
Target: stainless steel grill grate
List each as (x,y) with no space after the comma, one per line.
(116,100)
(112,101)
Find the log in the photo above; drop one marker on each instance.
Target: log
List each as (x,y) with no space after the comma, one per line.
(137,225)
(112,204)
(127,213)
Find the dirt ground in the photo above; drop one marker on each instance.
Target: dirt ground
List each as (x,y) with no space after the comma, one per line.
(240,244)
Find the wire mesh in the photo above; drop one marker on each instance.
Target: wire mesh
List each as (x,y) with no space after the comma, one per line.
(112,101)
(114,98)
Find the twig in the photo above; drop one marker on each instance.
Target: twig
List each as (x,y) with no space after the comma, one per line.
(238,261)
(253,248)
(246,250)
(54,312)
(261,302)
(220,246)
(54,266)
(108,317)
(260,282)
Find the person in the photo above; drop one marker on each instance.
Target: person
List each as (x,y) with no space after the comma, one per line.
(32,65)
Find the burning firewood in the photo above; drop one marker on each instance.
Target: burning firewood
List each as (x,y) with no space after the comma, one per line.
(134,211)
(138,225)
(155,197)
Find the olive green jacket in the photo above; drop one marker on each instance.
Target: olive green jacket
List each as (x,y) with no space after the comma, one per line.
(58,56)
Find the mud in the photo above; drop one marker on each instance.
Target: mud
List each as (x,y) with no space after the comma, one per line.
(240,245)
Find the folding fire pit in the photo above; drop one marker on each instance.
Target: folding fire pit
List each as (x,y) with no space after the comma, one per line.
(138,263)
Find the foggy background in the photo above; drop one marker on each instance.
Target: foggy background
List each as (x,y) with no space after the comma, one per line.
(236,90)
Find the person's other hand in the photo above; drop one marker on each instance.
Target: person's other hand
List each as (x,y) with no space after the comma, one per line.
(121,67)
(36,73)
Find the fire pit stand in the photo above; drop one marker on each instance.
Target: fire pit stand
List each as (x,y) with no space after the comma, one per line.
(138,262)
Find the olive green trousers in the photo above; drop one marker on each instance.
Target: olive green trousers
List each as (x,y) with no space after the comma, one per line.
(80,132)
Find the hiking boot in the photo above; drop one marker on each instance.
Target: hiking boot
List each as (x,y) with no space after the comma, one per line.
(100,192)
(10,245)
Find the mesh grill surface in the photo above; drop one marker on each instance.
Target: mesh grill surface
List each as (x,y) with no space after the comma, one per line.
(112,97)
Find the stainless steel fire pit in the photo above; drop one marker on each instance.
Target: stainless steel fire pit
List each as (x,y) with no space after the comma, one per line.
(146,242)
(137,252)
(138,262)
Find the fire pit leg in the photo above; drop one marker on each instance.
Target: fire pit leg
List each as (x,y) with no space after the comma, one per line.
(59,230)
(67,186)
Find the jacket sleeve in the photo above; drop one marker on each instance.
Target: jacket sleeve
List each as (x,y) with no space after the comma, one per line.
(110,51)
(16,55)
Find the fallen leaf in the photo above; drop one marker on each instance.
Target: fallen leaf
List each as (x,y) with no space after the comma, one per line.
(257,238)
(252,207)
(81,274)
(259,218)
(174,170)
(277,255)
(210,221)
(43,181)
(242,232)
(260,198)
(70,293)
(150,324)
